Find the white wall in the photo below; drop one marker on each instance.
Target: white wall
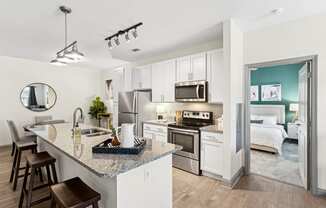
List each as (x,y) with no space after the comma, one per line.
(294,39)
(233,64)
(74,87)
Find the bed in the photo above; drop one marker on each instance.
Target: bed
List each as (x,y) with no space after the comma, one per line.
(266,130)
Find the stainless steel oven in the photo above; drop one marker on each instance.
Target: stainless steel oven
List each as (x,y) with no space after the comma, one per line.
(188,158)
(188,139)
(191,91)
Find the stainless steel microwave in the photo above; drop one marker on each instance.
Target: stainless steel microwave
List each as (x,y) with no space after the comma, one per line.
(191,91)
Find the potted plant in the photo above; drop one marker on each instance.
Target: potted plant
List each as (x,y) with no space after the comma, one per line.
(97,107)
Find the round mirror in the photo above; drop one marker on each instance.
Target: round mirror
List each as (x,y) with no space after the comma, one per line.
(38,97)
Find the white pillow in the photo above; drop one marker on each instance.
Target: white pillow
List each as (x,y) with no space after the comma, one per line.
(270,120)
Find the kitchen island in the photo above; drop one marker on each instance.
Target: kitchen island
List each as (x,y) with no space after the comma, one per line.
(137,181)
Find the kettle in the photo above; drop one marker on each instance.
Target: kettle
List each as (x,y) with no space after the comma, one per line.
(127,137)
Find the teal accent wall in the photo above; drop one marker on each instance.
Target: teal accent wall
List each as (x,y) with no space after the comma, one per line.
(287,76)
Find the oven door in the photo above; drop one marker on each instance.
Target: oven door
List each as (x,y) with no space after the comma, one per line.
(188,139)
(195,91)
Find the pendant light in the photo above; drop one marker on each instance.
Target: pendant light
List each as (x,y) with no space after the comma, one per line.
(70,53)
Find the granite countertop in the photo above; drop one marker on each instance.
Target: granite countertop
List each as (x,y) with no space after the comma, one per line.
(159,122)
(211,128)
(103,165)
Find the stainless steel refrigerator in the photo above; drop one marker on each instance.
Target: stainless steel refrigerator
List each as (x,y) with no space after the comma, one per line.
(136,107)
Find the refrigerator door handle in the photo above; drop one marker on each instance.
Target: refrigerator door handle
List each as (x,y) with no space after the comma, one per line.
(134,103)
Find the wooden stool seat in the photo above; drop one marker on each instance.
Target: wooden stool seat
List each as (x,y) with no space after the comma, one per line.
(74,193)
(36,162)
(40,159)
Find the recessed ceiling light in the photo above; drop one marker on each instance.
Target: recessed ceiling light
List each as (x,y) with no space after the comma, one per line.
(277,11)
(135,50)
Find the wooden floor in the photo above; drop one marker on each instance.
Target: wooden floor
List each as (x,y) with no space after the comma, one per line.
(190,191)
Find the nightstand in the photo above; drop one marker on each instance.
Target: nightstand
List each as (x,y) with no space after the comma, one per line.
(292,131)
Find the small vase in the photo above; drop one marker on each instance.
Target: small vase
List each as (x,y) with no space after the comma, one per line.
(115,141)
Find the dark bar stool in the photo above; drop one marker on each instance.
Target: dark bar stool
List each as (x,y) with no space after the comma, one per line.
(20,147)
(73,193)
(37,161)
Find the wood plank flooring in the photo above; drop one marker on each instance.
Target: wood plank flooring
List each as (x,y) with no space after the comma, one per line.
(190,191)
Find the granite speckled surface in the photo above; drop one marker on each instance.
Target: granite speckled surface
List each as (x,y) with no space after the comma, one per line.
(103,165)
(211,128)
(159,123)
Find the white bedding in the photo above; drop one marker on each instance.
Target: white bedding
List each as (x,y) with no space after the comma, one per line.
(268,135)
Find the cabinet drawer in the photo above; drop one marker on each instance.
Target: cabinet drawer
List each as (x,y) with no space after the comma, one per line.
(210,136)
(155,128)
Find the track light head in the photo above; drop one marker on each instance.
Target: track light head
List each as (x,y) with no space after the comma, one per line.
(134,33)
(110,44)
(127,37)
(117,41)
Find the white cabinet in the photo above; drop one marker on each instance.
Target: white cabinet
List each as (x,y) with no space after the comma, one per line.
(212,153)
(191,67)
(183,69)
(198,66)
(155,132)
(292,130)
(216,76)
(163,80)
(142,77)
(146,186)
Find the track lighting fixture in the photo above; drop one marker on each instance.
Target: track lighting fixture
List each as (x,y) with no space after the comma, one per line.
(110,44)
(127,37)
(126,33)
(70,53)
(117,41)
(134,33)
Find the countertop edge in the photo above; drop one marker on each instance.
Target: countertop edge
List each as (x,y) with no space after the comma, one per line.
(158,123)
(104,175)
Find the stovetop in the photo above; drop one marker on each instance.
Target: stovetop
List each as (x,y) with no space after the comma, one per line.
(185,125)
(194,120)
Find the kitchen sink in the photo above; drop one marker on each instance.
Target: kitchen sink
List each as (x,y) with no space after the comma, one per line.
(93,132)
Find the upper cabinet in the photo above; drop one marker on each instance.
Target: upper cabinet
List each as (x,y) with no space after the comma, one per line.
(142,77)
(163,80)
(191,68)
(215,76)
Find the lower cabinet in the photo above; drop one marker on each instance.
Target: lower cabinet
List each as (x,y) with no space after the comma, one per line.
(155,132)
(212,157)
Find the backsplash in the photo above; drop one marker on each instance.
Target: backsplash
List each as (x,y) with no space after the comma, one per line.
(168,109)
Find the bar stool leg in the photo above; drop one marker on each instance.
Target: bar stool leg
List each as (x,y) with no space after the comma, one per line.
(55,178)
(30,189)
(48,175)
(13,147)
(17,169)
(21,200)
(53,204)
(13,167)
(95,205)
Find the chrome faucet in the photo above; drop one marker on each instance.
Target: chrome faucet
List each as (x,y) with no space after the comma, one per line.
(80,119)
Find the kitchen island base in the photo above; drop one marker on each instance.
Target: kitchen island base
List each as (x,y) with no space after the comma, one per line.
(146,186)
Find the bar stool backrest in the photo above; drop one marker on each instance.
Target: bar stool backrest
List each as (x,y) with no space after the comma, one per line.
(40,119)
(13,133)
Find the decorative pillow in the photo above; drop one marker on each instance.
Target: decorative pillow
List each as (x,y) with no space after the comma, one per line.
(256,121)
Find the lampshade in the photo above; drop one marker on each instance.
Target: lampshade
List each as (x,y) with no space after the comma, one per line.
(294,107)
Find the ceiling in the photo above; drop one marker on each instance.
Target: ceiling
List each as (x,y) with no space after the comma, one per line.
(35,29)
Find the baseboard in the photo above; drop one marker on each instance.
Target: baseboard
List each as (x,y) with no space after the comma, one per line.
(5,145)
(235,179)
(212,175)
(320,192)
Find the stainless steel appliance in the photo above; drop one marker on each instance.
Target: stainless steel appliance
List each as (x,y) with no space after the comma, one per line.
(186,133)
(136,107)
(191,91)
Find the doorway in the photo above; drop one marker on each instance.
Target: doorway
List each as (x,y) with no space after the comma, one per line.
(267,125)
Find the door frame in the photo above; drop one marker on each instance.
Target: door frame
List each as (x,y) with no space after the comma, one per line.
(312,128)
